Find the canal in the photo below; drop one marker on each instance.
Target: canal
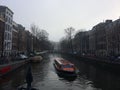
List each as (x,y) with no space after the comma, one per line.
(90,77)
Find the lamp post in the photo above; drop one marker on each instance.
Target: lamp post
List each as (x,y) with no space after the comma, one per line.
(32,44)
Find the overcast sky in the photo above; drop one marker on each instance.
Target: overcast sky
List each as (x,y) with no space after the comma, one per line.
(56,15)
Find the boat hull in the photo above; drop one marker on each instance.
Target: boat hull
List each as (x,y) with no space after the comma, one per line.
(65,73)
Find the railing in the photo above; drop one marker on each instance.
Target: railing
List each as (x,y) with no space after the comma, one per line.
(7,60)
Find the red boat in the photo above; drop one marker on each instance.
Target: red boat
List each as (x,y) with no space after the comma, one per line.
(64,67)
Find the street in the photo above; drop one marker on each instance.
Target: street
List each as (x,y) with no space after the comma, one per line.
(90,77)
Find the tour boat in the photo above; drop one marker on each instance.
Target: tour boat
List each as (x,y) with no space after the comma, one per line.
(64,67)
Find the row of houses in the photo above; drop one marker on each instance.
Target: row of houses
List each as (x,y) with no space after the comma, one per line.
(14,38)
(102,40)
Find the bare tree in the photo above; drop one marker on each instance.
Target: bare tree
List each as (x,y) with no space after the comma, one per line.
(41,41)
(64,45)
(69,31)
(42,35)
(34,29)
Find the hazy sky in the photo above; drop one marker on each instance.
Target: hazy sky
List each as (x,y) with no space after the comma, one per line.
(56,15)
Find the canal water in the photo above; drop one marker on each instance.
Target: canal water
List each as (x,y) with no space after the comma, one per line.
(90,77)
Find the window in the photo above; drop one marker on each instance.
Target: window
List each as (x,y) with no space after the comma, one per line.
(5,36)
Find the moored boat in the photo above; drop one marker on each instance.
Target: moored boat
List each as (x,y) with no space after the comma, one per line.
(64,67)
(36,59)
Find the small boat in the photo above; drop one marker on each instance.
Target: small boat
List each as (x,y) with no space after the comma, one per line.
(36,59)
(64,67)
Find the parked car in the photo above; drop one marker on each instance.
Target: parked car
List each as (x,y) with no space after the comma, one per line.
(117,58)
(21,57)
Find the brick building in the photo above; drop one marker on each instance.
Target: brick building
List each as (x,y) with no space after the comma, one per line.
(22,39)
(22,44)
(15,38)
(29,38)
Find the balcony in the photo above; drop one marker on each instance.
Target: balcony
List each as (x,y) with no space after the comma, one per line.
(2,17)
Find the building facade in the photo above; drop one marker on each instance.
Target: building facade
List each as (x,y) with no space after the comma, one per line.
(81,42)
(100,39)
(113,38)
(21,39)
(29,38)
(98,42)
(8,15)
(92,46)
(2,23)
(15,38)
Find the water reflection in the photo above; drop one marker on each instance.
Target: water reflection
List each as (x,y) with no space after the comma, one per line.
(96,77)
(51,80)
(70,78)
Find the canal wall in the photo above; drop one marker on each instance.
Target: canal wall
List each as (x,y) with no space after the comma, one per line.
(105,63)
(7,68)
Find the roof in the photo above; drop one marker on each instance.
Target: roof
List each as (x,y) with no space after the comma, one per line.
(2,8)
(62,61)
